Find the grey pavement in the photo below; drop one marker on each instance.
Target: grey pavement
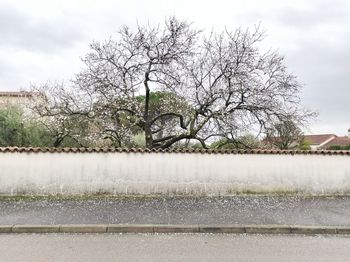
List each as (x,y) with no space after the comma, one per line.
(283,210)
(172,247)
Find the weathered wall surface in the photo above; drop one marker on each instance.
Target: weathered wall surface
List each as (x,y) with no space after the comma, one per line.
(177,173)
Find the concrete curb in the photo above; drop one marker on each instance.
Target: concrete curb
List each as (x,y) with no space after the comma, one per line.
(148,228)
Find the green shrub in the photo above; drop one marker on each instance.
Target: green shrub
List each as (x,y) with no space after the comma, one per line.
(16,130)
(337,147)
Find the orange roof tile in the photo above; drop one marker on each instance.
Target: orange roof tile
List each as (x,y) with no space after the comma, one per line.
(318,139)
(171,150)
(338,141)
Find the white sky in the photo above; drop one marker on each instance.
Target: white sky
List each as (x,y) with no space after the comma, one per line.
(43,41)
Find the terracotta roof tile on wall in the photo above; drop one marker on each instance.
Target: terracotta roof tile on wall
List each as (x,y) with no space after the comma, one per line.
(171,150)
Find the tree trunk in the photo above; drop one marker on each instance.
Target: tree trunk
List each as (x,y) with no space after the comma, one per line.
(147,126)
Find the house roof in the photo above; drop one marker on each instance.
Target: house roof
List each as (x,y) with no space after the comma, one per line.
(338,141)
(171,150)
(318,139)
(17,94)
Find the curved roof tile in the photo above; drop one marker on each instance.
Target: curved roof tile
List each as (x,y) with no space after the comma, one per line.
(170,150)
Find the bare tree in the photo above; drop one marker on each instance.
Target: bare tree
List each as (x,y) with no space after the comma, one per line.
(221,85)
(285,134)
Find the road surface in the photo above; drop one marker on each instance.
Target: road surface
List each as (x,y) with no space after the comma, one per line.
(285,210)
(173,247)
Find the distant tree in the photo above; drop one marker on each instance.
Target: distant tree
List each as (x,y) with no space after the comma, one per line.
(160,103)
(304,144)
(215,86)
(22,130)
(72,131)
(17,130)
(248,141)
(285,134)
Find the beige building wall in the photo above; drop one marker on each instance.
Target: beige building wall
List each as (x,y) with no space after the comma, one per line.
(22,99)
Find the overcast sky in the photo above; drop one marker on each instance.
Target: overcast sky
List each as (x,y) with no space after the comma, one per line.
(43,41)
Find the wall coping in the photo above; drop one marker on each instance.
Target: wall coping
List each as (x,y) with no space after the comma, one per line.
(170,150)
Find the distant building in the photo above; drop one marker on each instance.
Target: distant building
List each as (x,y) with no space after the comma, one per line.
(22,99)
(326,141)
(316,142)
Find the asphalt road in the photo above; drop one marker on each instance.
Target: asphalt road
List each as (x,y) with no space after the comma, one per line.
(295,210)
(174,247)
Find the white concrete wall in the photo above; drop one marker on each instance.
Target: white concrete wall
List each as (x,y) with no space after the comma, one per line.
(149,173)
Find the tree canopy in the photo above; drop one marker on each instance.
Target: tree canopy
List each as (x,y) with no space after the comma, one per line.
(285,135)
(17,130)
(173,83)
